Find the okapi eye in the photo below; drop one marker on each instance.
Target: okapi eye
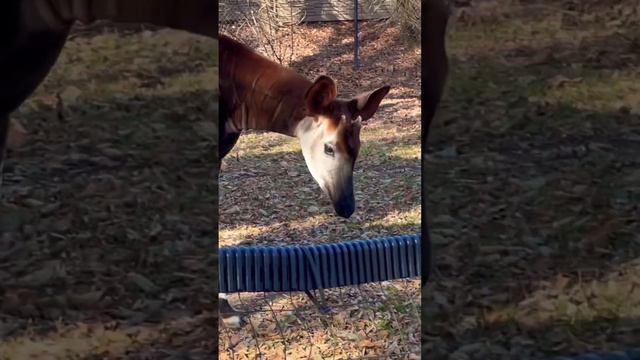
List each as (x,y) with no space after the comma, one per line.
(328,149)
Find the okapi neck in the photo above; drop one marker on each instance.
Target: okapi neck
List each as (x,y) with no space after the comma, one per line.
(261,94)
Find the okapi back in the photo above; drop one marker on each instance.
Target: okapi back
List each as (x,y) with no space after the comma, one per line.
(259,93)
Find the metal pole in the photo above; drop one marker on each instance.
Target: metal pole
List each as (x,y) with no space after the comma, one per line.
(355,36)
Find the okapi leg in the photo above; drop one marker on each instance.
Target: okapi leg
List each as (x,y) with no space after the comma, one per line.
(435,68)
(230,317)
(227,142)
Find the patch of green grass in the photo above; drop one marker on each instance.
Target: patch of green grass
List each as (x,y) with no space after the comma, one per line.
(409,152)
(403,308)
(384,324)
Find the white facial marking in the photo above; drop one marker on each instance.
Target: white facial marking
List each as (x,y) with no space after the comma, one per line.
(310,135)
(325,169)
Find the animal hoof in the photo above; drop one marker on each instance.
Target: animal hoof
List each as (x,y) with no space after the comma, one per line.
(233,321)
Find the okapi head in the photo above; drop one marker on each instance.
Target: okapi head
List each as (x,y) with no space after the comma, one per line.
(330,138)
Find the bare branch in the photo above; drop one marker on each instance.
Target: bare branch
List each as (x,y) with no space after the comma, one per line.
(269,22)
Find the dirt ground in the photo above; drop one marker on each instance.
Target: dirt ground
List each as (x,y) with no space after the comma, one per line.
(534,184)
(108,213)
(269,198)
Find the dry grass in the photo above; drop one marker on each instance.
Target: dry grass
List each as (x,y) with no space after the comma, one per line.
(533,185)
(106,214)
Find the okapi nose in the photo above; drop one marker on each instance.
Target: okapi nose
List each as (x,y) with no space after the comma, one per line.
(345,207)
(342,197)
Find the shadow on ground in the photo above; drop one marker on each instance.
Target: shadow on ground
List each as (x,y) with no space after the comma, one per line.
(532,193)
(109,222)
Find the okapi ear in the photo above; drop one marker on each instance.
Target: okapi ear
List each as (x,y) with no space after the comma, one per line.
(321,93)
(365,105)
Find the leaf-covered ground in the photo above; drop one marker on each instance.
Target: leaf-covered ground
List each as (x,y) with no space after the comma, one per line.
(108,209)
(534,184)
(269,198)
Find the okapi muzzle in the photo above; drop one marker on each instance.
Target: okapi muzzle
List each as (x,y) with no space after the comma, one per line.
(344,202)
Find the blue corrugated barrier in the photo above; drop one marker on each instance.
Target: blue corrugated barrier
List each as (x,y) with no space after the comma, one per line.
(304,268)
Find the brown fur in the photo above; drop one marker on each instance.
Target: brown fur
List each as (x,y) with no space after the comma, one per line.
(272,95)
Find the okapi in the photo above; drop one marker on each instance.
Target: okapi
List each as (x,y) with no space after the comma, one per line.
(259,94)
(256,93)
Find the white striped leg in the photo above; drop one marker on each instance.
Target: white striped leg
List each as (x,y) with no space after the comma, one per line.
(229,316)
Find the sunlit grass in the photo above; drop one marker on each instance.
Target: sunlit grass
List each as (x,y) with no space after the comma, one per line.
(604,92)
(239,234)
(409,152)
(261,143)
(399,220)
(385,133)
(572,301)
(78,342)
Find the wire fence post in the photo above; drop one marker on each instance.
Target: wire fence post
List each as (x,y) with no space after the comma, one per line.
(356,62)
